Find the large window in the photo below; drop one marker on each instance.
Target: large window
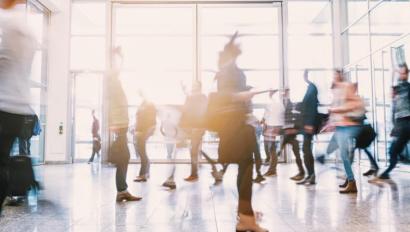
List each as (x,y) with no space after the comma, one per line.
(166,46)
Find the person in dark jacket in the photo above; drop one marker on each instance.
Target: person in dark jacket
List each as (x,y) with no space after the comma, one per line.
(309,111)
(401,114)
(237,140)
(118,121)
(290,131)
(95,131)
(145,127)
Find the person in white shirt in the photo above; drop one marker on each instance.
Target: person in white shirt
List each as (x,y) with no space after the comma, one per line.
(273,121)
(17,48)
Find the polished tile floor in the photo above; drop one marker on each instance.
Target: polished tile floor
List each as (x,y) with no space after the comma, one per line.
(81,197)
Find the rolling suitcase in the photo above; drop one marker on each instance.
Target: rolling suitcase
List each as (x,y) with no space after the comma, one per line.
(21,176)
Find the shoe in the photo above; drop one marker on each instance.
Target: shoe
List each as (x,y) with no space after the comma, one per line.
(191,178)
(15,201)
(384,177)
(259,179)
(248,223)
(310,180)
(126,196)
(350,188)
(218,175)
(298,177)
(270,173)
(370,172)
(379,179)
(344,185)
(321,159)
(169,184)
(142,178)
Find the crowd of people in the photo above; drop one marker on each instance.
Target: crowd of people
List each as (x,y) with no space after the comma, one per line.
(228,112)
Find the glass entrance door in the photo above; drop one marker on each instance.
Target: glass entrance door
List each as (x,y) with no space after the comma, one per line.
(87,90)
(167,46)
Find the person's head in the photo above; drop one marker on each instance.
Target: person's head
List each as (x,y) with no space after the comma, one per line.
(8,4)
(403,71)
(306,76)
(231,51)
(338,76)
(196,87)
(93,113)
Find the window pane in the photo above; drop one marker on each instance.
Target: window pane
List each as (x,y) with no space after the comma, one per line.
(305,54)
(158,47)
(307,17)
(356,9)
(87,53)
(389,21)
(88,18)
(358,36)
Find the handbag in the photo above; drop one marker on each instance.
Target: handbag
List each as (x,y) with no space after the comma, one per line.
(366,136)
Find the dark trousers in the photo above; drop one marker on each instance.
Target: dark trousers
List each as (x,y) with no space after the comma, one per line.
(96,150)
(291,139)
(307,154)
(257,155)
(12,126)
(373,163)
(142,151)
(270,150)
(402,129)
(122,153)
(244,185)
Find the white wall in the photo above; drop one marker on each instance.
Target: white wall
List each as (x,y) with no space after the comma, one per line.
(57,145)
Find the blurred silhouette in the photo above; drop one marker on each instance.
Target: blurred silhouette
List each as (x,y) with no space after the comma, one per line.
(290,130)
(145,128)
(227,115)
(17,118)
(273,121)
(95,131)
(256,124)
(309,116)
(401,120)
(347,115)
(118,121)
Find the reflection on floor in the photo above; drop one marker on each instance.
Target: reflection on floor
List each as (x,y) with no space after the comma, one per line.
(81,198)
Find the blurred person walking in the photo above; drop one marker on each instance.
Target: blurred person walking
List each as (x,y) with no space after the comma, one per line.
(118,122)
(17,118)
(290,130)
(401,119)
(272,121)
(144,129)
(309,117)
(95,131)
(347,115)
(256,124)
(227,115)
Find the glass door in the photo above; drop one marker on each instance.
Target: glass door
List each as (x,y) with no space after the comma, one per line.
(87,90)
